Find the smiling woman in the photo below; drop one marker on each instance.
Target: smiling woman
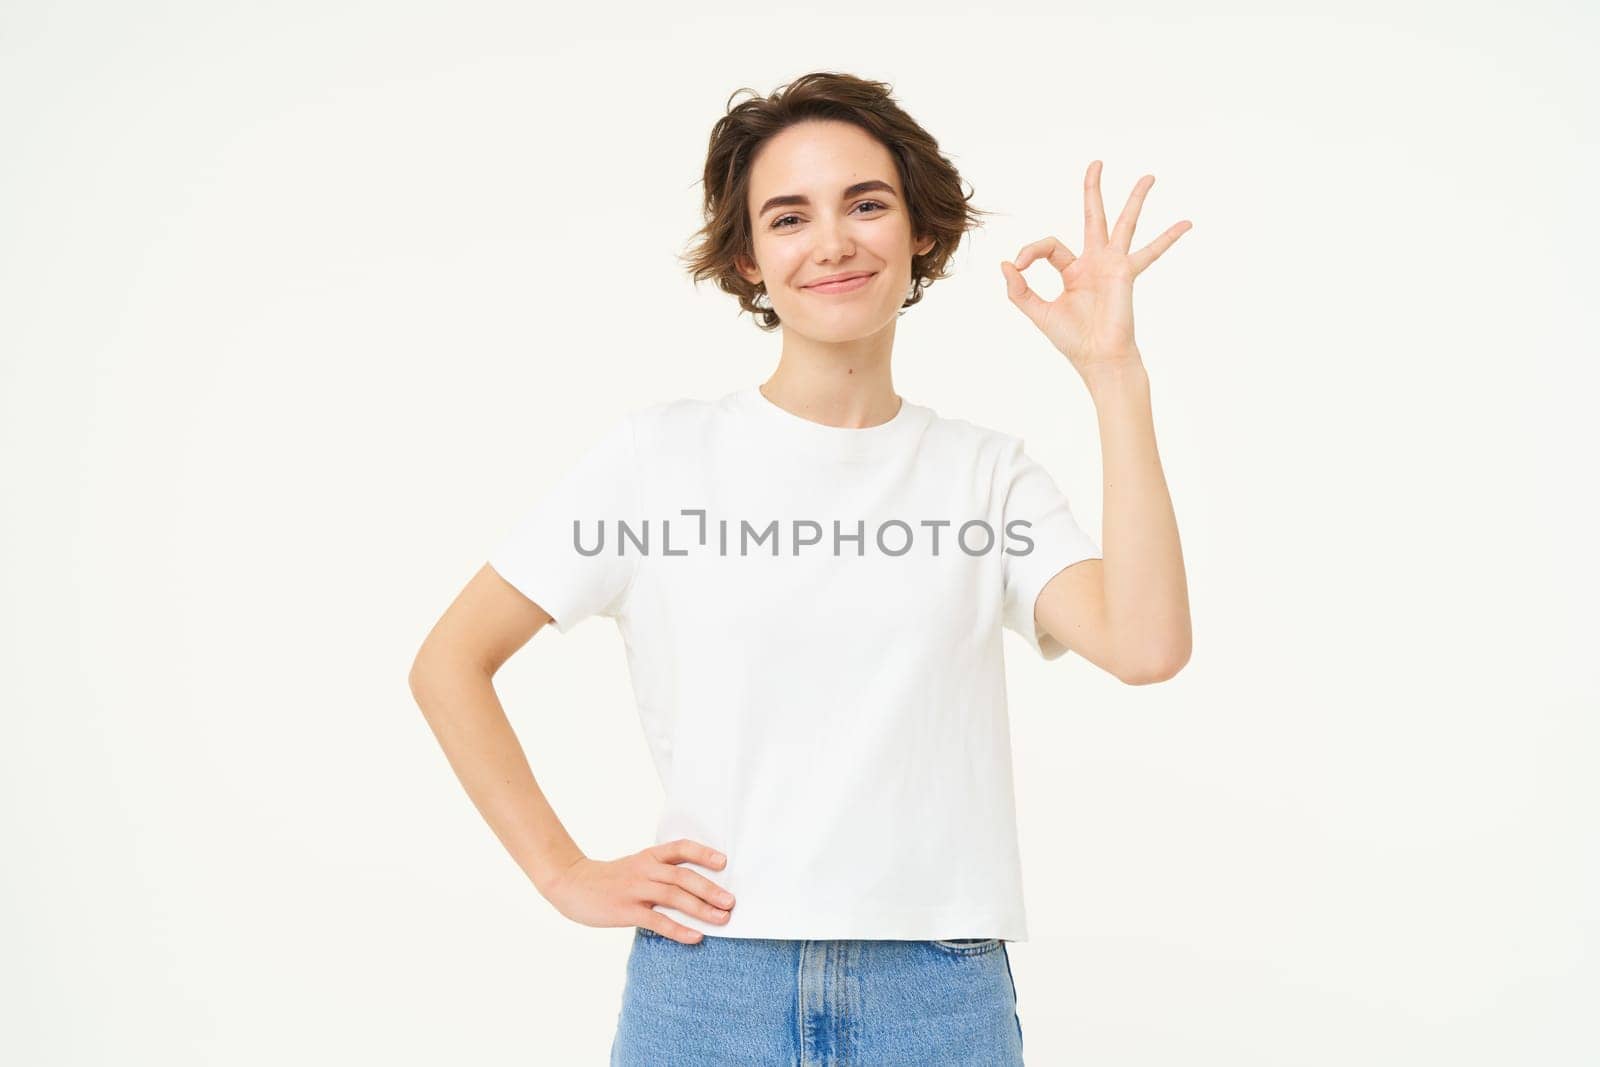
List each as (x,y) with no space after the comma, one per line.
(835,872)
(769,177)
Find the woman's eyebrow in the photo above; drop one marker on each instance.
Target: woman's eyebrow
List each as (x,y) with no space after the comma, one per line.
(797,200)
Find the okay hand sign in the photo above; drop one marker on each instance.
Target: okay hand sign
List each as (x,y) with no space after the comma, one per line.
(1091,322)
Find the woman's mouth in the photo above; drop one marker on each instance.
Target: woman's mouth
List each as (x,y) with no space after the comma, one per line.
(849,285)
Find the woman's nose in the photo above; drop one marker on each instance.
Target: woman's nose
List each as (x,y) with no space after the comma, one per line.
(832,241)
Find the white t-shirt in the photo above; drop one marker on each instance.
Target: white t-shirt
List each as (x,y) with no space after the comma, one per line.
(812,616)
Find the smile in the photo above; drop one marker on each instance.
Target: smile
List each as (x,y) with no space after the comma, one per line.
(849,285)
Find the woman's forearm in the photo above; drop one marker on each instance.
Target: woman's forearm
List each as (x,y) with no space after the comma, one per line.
(464,711)
(1146,592)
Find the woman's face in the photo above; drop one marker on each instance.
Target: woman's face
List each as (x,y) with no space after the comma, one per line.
(811,218)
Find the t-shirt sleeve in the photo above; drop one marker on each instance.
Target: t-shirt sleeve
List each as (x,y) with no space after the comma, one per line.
(1032,496)
(557,566)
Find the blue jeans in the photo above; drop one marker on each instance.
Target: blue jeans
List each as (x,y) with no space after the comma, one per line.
(755,1002)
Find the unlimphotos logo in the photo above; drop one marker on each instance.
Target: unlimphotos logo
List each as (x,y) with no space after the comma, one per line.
(891,537)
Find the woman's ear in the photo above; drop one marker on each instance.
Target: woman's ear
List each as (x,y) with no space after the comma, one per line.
(746,269)
(926,246)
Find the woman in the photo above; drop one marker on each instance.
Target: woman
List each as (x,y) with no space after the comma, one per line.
(811,576)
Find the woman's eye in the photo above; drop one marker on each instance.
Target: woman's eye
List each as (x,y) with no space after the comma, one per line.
(778,223)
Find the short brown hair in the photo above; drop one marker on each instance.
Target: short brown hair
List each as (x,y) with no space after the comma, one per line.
(937,206)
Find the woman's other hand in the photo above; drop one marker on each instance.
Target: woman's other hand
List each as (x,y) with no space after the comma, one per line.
(620,892)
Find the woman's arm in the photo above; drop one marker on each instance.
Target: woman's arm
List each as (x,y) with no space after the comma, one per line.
(452,680)
(1127,614)
(1130,612)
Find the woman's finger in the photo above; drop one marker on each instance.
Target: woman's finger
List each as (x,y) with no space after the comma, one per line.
(685,849)
(1152,251)
(651,919)
(697,884)
(1022,295)
(683,900)
(1094,210)
(1128,221)
(1060,255)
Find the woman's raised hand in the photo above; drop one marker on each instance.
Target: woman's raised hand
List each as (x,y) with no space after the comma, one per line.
(1091,322)
(621,892)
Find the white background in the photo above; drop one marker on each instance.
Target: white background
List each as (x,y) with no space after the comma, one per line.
(300,304)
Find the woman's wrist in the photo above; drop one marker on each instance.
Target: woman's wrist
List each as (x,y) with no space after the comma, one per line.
(551,868)
(1110,379)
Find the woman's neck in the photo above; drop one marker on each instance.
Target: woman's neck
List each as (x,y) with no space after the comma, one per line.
(846,384)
